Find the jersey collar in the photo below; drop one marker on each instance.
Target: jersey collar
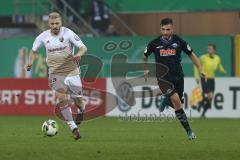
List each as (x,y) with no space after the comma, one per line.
(166,41)
(211,56)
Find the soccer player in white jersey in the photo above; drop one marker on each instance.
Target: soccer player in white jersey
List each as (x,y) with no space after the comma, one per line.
(63,67)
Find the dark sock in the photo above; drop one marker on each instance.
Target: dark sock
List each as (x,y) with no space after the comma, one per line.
(204,112)
(206,106)
(180,114)
(200,105)
(209,104)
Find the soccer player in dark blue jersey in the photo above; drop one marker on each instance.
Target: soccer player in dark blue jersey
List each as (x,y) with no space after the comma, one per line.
(167,50)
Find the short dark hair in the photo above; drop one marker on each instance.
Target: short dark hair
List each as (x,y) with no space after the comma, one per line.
(212,45)
(166,21)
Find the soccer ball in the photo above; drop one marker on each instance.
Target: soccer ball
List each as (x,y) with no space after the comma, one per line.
(50,128)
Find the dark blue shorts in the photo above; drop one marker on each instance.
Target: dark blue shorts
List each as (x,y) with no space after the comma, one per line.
(170,85)
(208,86)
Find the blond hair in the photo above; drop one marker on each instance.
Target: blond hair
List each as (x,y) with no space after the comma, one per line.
(54,15)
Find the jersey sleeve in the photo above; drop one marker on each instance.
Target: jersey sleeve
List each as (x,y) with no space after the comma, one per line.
(38,43)
(186,47)
(75,39)
(149,49)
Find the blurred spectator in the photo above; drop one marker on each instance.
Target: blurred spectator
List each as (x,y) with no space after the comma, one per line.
(75,4)
(59,4)
(99,16)
(111,31)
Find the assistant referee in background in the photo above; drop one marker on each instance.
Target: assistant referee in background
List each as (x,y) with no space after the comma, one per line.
(210,62)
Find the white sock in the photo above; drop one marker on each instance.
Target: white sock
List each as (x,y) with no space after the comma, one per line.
(67,114)
(72,124)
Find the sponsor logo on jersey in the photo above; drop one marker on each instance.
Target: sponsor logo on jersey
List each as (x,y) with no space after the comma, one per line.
(57,49)
(167,52)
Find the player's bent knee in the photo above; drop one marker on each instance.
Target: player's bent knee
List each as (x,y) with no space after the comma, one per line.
(79,102)
(60,96)
(62,103)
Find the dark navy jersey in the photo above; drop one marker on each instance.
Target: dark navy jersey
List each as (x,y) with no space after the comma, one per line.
(168,53)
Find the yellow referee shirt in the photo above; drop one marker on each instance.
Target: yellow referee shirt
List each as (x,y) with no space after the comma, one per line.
(209,65)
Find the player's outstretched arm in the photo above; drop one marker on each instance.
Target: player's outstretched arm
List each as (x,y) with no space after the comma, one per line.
(220,67)
(81,52)
(31,60)
(197,63)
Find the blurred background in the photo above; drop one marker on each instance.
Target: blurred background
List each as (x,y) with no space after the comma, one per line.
(111,27)
(116,33)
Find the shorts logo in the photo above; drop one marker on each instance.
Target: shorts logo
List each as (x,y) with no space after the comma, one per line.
(51,83)
(169,91)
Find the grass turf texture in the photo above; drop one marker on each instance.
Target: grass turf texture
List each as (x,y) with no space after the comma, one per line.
(112,138)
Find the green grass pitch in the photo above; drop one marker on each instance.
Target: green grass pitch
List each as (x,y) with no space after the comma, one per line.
(112,138)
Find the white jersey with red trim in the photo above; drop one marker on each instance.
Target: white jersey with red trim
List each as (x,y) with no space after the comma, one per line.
(59,51)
